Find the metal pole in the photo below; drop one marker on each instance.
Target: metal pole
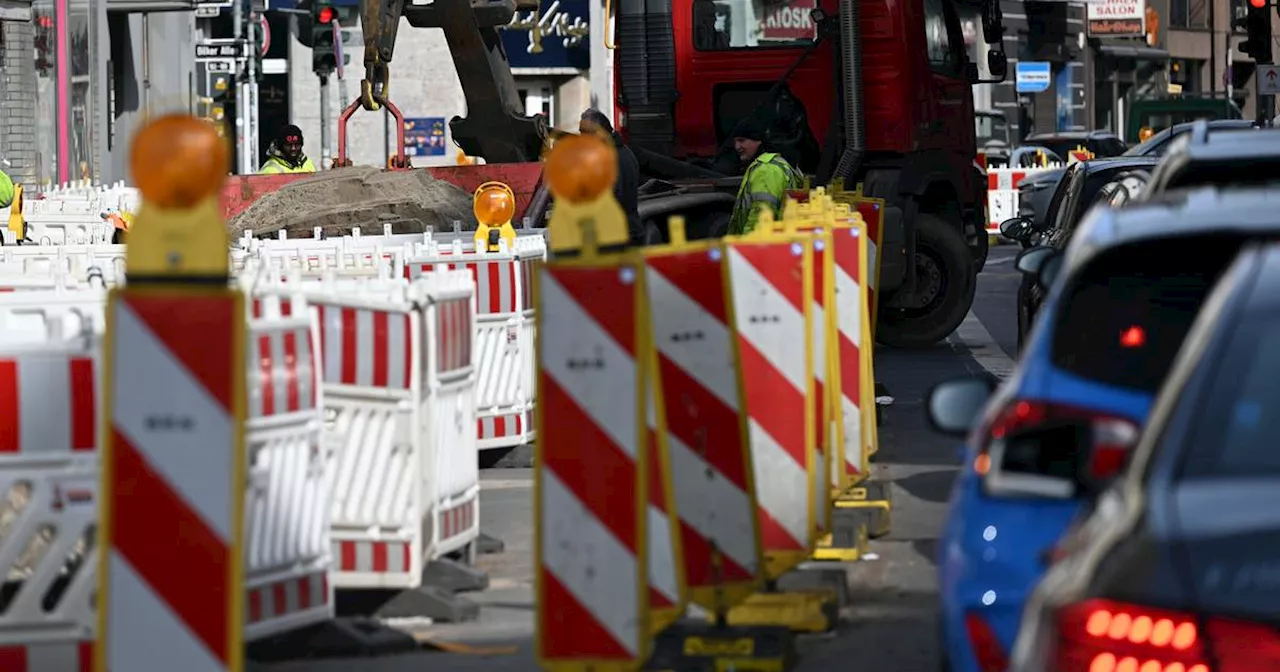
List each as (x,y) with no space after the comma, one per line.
(252,65)
(237,32)
(324,122)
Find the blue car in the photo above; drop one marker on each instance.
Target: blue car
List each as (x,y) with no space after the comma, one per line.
(1120,301)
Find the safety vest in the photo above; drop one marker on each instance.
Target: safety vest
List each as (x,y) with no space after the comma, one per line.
(275,165)
(761,184)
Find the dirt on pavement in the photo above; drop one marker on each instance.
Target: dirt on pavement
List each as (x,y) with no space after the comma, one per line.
(337,200)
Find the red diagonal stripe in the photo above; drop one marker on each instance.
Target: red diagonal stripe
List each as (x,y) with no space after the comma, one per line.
(10,407)
(820,413)
(600,293)
(699,568)
(702,422)
(169,546)
(772,401)
(569,631)
(175,320)
(657,600)
(779,266)
(587,461)
(698,277)
(773,536)
(845,243)
(819,278)
(84,412)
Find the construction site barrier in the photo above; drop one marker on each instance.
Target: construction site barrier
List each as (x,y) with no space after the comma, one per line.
(73,213)
(1002,192)
(646,355)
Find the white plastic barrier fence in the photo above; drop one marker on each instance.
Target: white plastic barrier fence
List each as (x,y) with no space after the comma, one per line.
(49,484)
(286,512)
(321,260)
(504,331)
(399,386)
(1002,192)
(63,265)
(73,213)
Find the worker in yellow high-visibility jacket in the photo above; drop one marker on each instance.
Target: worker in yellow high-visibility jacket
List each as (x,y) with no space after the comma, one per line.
(6,190)
(285,154)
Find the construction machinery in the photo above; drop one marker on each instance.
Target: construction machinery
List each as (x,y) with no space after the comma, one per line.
(872,92)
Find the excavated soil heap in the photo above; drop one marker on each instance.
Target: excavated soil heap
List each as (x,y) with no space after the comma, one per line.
(336,200)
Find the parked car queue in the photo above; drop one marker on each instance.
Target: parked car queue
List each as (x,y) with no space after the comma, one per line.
(1118,290)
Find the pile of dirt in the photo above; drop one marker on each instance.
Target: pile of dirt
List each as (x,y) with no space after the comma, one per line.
(337,200)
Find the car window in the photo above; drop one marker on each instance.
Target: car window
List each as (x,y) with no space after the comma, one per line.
(752,24)
(1055,214)
(1123,317)
(1245,396)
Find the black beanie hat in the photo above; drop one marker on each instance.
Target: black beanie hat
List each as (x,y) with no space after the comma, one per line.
(750,128)
(288,130)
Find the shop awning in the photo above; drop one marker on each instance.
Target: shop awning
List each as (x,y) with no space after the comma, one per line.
(1137,53)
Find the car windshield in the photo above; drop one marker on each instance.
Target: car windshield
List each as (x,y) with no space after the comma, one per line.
(990,127)
(1245,395)
(1125,315)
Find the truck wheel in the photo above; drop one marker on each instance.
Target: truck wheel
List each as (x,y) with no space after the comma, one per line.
(945,284)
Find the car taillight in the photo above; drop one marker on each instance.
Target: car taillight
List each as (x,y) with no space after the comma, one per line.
(1113,437)
(1109,636)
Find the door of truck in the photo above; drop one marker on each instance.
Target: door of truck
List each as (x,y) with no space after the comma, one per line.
(947,106)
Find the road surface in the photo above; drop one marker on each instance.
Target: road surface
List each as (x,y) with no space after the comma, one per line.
(891,624)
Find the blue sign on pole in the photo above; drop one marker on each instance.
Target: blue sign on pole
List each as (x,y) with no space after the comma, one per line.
(1033,76)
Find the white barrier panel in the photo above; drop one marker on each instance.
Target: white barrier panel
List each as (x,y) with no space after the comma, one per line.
(49,485)
(73,214)
(505,331)
(398,415)
(287,505)
(1002,192)
(319,261)
(74,264)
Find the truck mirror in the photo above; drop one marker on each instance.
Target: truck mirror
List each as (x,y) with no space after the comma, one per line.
(971,73)
(992,23)
(998,64)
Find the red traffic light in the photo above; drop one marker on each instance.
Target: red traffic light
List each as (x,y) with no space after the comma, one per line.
(326,13)
(1257,4)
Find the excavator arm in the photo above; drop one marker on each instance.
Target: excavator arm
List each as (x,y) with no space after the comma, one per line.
(495,128)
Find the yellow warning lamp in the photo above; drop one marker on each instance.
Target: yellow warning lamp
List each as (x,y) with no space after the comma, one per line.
(179,164)
(580,171)
(494,205)
(1146,133)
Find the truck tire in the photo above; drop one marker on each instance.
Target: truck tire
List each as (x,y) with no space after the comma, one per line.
(946,282)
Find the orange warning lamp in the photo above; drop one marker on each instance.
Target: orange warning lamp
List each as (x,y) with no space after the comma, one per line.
(580,168)
(580,171)
(179,165)
(494,205)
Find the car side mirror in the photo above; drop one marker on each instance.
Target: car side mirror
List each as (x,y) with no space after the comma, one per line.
(1050,460)
(1017,228)
(1042,263)
(953,406)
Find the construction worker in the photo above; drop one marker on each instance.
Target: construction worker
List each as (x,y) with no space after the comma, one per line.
(766,181)
(285,154)
(6,189)
(627,187)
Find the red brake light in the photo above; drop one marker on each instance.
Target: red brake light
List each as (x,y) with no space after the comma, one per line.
(1113,437)
(1108,636)
(1133,337)
(326,14)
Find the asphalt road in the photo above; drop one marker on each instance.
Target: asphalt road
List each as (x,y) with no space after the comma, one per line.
(891,624)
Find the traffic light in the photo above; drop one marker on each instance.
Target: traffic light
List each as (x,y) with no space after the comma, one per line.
(1257,25)
(327,21)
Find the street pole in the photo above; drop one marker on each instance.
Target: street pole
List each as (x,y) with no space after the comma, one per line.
(237,32)
(324,122)
(1266,104)
(252,65)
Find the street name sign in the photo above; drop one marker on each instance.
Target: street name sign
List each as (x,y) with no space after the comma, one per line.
(1033,76)
(211,50)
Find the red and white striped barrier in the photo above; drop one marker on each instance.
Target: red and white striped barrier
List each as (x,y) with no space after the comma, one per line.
(872,211)
(856,403)
(711,480)
(172,470)
(667,588)
(1002,192)
(828,426)
(49,474)
(402,443)
(590,507)
(770,292)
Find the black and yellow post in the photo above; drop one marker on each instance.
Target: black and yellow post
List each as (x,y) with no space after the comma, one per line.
(494,205)
(712,644)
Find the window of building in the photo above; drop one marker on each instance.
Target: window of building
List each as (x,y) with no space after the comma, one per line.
(1186,72)
(1239,9)
(748,24)
(1189,13)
